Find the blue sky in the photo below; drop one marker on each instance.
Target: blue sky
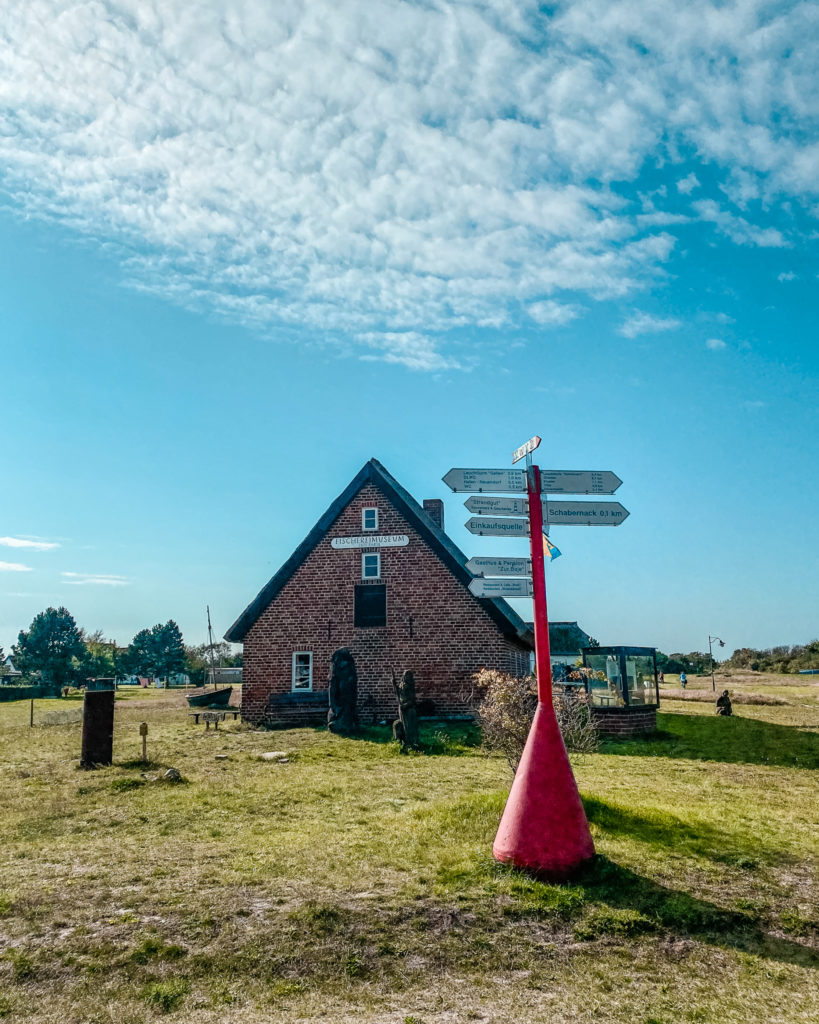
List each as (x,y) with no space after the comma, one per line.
(244,250)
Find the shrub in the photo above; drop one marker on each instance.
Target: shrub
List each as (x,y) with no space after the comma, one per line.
(166,996)
(155,949)
(505,706)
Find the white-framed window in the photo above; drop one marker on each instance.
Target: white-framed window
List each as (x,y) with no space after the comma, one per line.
(371,566)
(369,519)
(302,671)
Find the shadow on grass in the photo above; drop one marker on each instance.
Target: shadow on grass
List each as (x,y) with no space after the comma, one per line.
(661,829)
(674,911)
(734,740)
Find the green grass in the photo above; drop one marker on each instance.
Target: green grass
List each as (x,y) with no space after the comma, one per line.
(357,883)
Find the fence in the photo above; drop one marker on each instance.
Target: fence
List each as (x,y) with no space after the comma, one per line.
(24,692)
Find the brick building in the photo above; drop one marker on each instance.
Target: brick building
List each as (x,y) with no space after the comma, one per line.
(376,574)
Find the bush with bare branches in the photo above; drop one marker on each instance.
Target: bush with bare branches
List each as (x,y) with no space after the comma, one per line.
(505,705)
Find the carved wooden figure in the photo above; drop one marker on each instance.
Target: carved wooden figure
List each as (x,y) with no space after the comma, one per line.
(343,692)
(407,711)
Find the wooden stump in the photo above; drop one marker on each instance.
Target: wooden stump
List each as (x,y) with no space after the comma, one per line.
(97,728)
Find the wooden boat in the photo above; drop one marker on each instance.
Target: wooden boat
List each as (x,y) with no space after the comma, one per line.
(210,698)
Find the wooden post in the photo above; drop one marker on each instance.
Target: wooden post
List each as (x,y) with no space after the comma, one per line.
(31,714)
(97,728)
(143,732)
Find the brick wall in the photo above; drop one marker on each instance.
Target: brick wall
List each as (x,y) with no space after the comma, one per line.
(434,626)
(625,721)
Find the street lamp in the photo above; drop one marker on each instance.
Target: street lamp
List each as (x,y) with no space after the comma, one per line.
(711,639)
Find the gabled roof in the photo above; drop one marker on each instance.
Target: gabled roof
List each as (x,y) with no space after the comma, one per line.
(566,637)
(505,617)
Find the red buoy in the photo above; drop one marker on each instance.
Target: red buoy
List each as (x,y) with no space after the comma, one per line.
(544,827)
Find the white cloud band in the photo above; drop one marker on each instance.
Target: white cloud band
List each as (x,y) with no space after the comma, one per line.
(399,168)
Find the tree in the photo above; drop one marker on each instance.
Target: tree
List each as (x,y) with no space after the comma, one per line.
(198,660)
(156,652)
(169,649)
(139,658)
(99,658)
(3,667)
(52,649)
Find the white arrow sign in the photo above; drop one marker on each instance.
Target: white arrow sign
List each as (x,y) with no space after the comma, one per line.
(486,480)
(525,449)
(500,566)
(499,527)
(482,506)
(552,481)
(583,513)
(555,513)
(578,481)
(501,588)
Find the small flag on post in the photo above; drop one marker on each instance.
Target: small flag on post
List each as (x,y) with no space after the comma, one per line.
(550,551)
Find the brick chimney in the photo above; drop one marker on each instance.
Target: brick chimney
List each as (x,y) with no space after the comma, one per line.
(434,508)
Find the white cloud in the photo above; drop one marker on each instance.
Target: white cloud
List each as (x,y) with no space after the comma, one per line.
(786,275)
(413,350)
(14,567)
(22,542)
(399,168)
(687,184)
(645,323)
(715,344)
(738,229)
(80,579)
(551,313)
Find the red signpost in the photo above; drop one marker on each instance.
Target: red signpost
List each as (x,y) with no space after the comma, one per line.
(544,827)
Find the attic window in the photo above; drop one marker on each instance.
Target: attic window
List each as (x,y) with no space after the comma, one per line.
(369,519)
(370,566)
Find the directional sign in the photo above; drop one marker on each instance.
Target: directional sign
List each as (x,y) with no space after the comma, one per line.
(487,527)
(525,449)
(500,566)
(578,481)
(552,481)
(486,506)
(486,480)
(555,513)
(583,513)
(501,588)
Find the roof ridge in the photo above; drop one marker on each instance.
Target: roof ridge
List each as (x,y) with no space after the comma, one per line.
(446,549)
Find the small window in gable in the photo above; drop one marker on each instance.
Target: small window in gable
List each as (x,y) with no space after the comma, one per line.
(370,566)
(369,519)
(370,605)
(302,671)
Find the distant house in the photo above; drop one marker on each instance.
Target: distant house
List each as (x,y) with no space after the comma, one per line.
(223,676)
(377,574)
(8,673)
(566,641)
